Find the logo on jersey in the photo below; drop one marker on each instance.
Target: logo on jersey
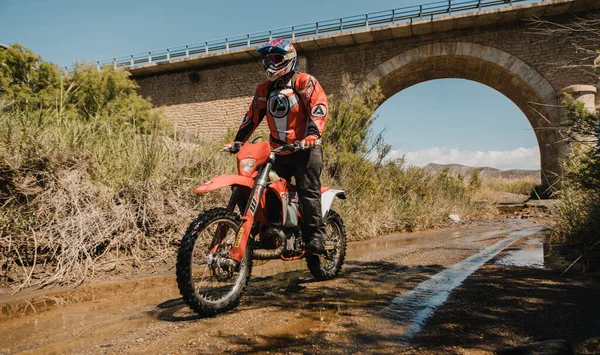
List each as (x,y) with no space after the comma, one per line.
(319,111)
(245,121)
(279,105)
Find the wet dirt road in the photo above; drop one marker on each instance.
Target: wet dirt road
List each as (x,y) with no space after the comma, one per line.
(388,299)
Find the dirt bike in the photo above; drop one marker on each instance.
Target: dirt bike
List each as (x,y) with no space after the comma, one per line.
(215,257)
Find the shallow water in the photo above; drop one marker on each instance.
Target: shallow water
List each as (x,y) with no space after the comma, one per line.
(413,308)
(530,254)
(96,317)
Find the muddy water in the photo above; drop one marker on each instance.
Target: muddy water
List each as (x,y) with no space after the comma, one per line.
(529,254)
(416,306)
(282,309)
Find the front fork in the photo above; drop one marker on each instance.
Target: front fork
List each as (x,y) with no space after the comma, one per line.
(241,238)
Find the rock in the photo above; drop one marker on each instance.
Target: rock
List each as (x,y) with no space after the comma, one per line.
(454,218)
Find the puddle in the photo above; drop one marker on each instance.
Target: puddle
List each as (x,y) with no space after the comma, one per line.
(414,307)
(358,249)
(530,254)
(39,301)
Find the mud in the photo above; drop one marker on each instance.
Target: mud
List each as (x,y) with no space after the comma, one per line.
(283,309)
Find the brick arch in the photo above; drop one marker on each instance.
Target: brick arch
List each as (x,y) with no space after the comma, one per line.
(507,74)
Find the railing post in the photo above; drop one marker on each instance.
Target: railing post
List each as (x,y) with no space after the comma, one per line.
(393,15)
(479,5)
(367,20)
(270,35)
(449,7)
(420,12)
(341,25)
(293,34)
(114,63)
(316,28)
(226,44)
(248,40)
(168,55)
(187,51)
(206,47)
(131,61)
(149,57)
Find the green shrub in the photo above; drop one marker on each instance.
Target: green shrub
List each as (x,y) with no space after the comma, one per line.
(26,80)
(579,212)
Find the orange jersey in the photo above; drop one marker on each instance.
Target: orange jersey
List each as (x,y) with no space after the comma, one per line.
(294,110)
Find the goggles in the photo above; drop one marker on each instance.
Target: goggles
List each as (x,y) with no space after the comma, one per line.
(273,59)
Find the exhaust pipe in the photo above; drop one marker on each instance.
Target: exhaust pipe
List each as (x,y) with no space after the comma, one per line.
(267,254)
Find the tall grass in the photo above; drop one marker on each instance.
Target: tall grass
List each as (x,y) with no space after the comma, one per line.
(494,189)
(81,196)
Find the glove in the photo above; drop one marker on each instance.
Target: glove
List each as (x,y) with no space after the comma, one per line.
(228,146)
(232,147)
(310,141)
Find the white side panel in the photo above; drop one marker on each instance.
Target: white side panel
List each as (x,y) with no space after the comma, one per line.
(327,199)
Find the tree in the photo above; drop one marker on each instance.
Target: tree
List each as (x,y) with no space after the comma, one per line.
(351,114)
(579,213)
(27,79)
(109,94)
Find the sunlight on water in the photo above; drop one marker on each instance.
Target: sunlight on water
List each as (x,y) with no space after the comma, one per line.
(413,308)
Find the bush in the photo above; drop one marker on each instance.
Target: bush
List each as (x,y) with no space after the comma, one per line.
(26,80)
(579,212)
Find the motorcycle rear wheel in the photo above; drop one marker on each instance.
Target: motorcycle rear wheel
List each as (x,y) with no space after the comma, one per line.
(207,283)
(328,266)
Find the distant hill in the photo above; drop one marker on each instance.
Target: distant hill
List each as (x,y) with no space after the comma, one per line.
(484,172)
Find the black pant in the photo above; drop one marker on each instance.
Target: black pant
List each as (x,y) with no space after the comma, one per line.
(305,166)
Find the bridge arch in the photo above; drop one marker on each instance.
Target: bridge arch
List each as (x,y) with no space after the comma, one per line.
(507,74)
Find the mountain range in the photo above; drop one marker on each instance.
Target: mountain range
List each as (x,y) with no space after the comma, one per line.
(484,172)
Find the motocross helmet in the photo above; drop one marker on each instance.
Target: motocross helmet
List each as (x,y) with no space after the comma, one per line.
(279,58)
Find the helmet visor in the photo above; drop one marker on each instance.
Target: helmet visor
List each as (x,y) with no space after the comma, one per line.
(274,59)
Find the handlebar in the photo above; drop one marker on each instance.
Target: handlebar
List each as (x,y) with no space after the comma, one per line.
(294,147)
(291,148)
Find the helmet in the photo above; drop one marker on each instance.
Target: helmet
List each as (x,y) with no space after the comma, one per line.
(279,58)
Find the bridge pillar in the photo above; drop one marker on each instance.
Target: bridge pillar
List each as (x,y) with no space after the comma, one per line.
(585,94)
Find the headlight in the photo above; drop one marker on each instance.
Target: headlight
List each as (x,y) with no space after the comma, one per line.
(247,164)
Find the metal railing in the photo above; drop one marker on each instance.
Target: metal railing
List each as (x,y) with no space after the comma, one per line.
(340,25)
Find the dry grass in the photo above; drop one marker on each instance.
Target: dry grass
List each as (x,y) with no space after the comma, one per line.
(81,199)
(494,190)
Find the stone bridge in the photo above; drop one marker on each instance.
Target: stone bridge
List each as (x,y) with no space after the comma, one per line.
(209,95)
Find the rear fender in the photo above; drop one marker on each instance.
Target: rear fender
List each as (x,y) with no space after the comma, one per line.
(223,181)
(327,198)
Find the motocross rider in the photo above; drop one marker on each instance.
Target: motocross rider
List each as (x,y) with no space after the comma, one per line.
(296,109)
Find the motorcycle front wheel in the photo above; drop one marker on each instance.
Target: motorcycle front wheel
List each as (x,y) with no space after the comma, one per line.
(209,282)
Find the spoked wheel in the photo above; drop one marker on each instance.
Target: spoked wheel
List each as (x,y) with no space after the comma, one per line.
(208,280)
(328,266)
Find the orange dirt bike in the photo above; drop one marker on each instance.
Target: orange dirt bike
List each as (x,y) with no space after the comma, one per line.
(214,261)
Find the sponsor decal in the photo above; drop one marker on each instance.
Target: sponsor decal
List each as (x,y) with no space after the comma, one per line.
(254,203)
(245,121)
(279,105)
(310,85)
(238,237)
(319,111)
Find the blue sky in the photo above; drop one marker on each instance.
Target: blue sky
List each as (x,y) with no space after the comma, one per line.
(433,121)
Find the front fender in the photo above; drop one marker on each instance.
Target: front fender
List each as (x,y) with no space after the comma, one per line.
(223,181)
(327,199)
